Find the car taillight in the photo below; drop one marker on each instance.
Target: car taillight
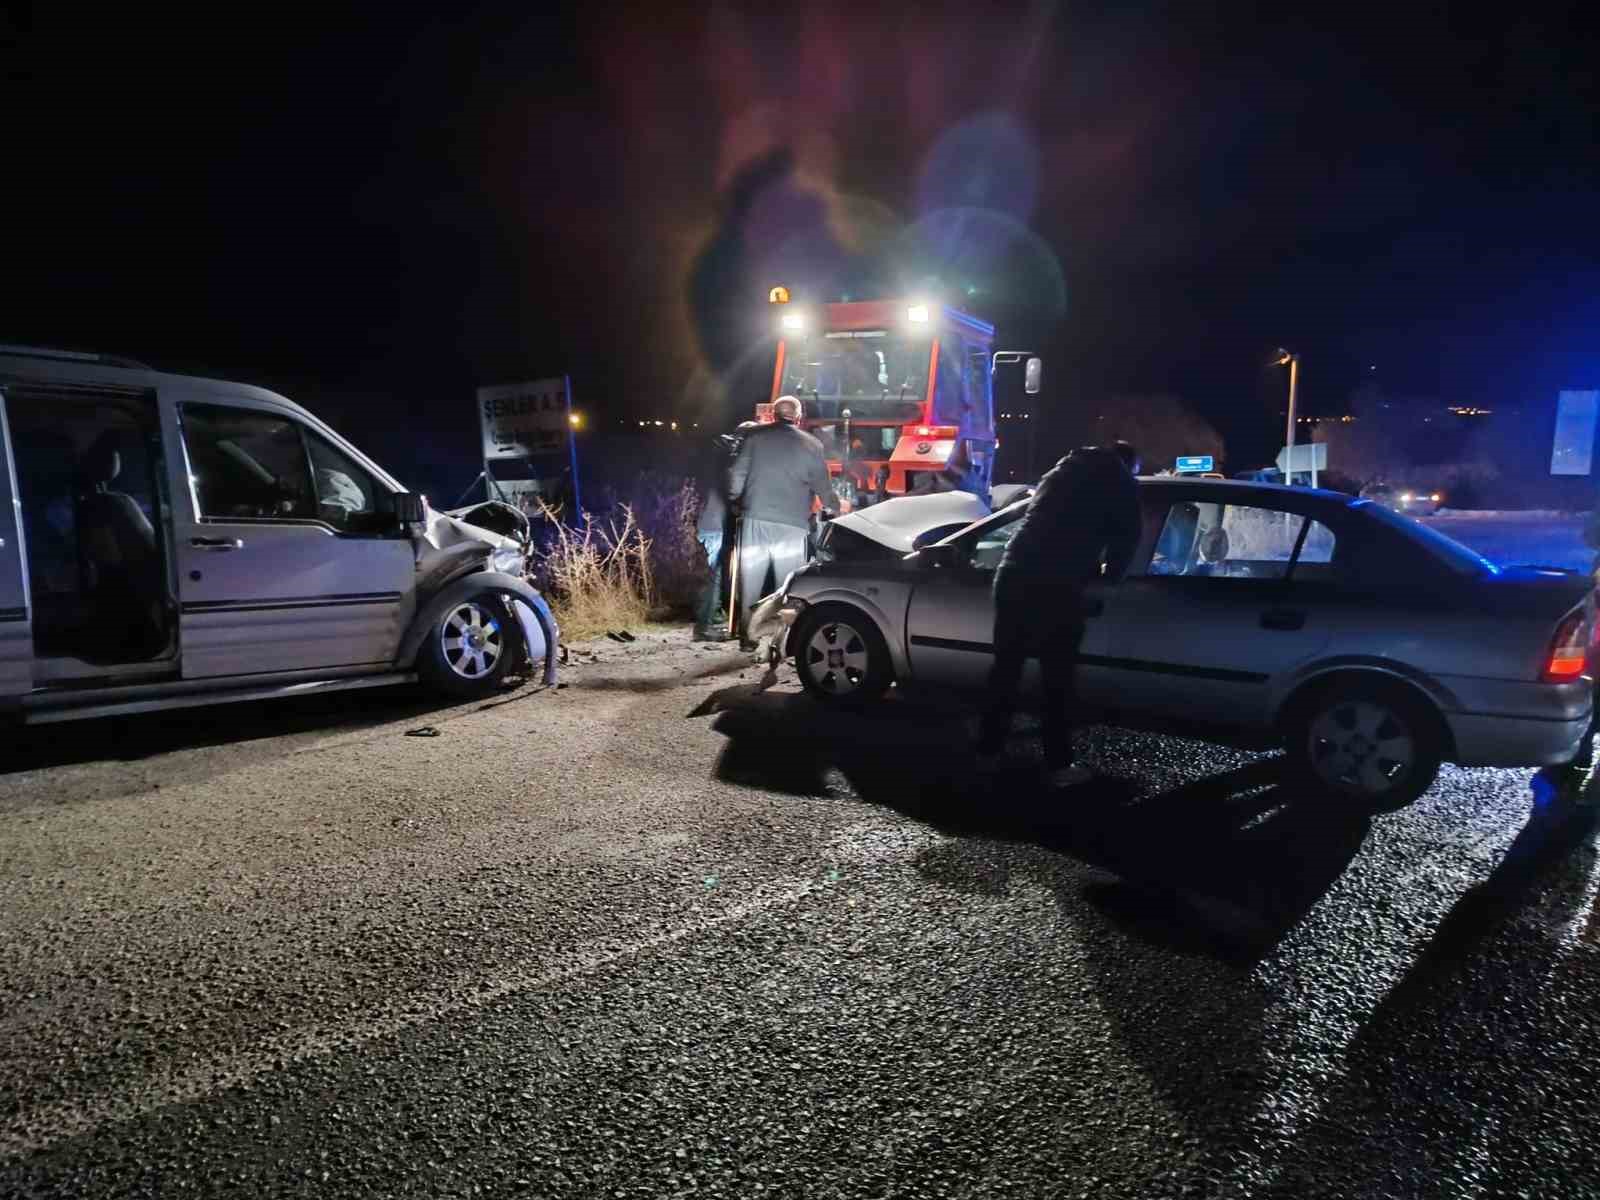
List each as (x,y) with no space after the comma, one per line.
(1569,648)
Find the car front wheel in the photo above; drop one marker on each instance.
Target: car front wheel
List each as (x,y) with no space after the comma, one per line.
(1373,747)
(840,656)
(470,650)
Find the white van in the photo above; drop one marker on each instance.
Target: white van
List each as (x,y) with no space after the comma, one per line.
(169,541)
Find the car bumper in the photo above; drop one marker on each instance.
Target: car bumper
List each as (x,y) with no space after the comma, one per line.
(1499,724)
(1512,742)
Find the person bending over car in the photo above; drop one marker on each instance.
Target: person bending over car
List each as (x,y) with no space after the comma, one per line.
(1083,520)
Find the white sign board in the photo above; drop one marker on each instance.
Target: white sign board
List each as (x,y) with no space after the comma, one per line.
(512,490)
(1573,452)
(521,420)
(1308,456)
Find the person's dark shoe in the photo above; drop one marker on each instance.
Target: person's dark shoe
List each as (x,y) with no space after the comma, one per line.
(711,635)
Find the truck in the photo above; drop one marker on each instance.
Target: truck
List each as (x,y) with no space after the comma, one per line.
(899,391)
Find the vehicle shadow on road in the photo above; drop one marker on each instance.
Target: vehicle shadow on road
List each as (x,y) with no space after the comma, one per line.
(1223,866)
(147,735)
(1199,880)
(1478,1062)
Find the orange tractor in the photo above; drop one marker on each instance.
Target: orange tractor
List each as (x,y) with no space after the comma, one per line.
(900,392)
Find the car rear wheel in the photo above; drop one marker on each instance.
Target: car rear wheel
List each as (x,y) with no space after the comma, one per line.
(1373,747)
(841,657)
(470,650)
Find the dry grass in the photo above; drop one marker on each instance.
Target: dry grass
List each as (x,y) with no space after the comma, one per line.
(636,560)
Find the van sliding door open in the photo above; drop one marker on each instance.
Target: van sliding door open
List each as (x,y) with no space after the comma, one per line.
(16,626)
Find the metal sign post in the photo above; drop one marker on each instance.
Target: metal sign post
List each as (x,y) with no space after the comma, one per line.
(1308,456)
(528,421)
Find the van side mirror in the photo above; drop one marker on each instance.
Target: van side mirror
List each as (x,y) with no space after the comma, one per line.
(410,508)
(1033,376)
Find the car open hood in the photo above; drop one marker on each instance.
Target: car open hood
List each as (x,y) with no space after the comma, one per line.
(896,524)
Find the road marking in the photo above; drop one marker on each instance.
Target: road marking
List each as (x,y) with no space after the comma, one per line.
(860,845)
(39,1128)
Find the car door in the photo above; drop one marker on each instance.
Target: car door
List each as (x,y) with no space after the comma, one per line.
(1201,629)
(950,621)
(289,558)
(16,627)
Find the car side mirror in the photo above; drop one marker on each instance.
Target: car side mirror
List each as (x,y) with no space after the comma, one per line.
(410,508)
(944,554)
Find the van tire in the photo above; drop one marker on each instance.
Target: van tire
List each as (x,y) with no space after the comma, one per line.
(470,650)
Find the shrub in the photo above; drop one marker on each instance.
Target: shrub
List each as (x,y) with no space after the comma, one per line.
(666,507)
(631,559)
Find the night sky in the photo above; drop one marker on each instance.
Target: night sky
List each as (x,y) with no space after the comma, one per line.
(377,213)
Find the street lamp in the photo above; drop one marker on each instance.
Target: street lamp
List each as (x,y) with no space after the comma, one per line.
(1293,363)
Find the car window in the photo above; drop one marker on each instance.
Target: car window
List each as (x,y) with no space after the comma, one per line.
(348,497)
(1175,544)
(1316,553)
(990,543)
(1237,541)
(937,534)
(247,465)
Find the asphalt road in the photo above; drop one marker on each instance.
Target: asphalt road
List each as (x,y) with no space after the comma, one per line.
(659,933)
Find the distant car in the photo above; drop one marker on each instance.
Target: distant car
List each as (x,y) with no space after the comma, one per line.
(1370,646)
(1413,501)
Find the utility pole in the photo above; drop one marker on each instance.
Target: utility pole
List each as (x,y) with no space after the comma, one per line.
(1293,360)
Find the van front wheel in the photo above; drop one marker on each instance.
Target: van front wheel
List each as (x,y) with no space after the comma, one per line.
(470,649)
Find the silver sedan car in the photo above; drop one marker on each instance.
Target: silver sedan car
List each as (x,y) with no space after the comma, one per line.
(1370,647)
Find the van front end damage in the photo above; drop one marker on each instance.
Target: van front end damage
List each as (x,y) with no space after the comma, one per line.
(458,559)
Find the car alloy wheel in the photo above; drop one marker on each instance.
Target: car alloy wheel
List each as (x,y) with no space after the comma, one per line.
(1362,747)
(472,640)
(837,658)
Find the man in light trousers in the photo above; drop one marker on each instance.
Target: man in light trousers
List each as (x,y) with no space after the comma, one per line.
(780,468)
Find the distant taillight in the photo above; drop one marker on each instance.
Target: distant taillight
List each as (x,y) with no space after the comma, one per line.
(1569,648)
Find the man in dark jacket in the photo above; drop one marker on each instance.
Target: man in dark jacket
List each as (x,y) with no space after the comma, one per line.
(779,469)
(1082,521)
